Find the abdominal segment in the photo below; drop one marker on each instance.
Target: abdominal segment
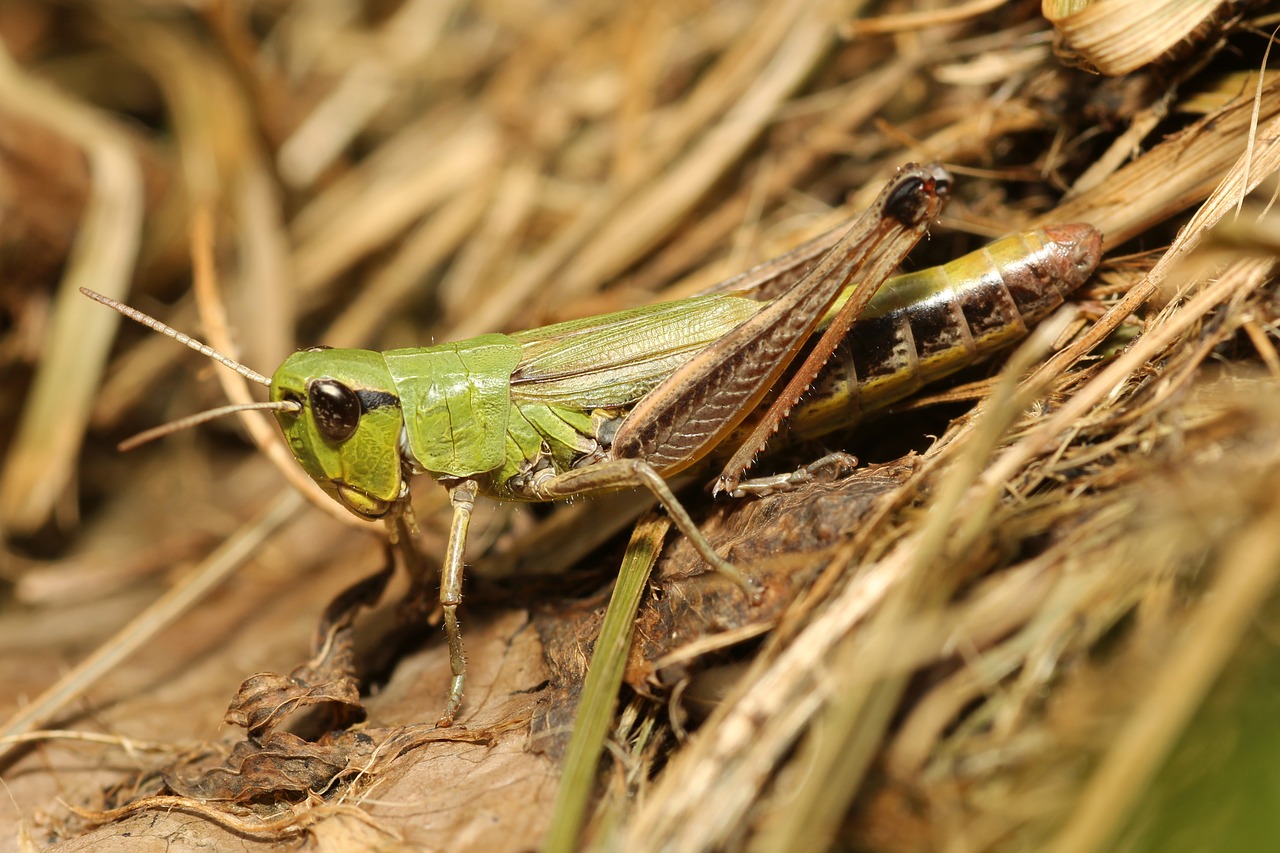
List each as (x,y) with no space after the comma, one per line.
(923,326)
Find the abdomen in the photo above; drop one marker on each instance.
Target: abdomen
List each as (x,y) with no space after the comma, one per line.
(925,325)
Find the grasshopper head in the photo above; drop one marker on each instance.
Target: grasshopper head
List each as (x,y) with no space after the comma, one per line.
(346,435)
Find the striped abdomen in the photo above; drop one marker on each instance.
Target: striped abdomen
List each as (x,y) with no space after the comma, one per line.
(925,325)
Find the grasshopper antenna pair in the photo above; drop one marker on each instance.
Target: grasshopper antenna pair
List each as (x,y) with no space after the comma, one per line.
(206,350)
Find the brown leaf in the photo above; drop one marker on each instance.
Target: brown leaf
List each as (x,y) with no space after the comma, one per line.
(265,700)
(284,764)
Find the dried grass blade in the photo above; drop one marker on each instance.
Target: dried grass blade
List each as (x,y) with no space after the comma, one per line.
(42,457)
(1247,573)
(1119,36)
(145,626)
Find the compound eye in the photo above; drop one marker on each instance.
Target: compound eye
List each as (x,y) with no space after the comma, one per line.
(336,409)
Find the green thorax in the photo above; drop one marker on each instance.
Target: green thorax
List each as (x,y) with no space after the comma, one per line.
(456,400)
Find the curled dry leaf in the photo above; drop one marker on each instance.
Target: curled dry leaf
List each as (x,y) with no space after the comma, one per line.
(1115,37)
(265,700)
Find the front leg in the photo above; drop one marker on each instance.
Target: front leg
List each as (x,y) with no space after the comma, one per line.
(629,473)
(463,499)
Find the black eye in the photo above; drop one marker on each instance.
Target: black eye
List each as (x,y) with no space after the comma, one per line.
(335,407)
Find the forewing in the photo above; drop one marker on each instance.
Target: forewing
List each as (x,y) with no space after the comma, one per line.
(613,360)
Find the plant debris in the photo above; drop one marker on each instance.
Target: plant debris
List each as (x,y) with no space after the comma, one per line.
(1025,622)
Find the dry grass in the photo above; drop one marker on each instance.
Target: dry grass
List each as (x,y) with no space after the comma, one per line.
(1049,628)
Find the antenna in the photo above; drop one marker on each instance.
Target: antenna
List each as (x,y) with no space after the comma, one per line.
(201,417)
(202,348)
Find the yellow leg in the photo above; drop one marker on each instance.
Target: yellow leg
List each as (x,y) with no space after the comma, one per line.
(463,497)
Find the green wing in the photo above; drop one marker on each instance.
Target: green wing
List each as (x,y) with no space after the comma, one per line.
(615,359)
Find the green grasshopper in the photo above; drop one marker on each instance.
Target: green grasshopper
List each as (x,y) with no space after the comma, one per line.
(632,398)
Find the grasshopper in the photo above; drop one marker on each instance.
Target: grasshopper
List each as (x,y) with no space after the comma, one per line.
(632,398)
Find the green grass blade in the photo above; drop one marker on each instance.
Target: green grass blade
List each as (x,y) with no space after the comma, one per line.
(600,691)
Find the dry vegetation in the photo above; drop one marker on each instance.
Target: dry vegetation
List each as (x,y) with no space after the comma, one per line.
(1043,621)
